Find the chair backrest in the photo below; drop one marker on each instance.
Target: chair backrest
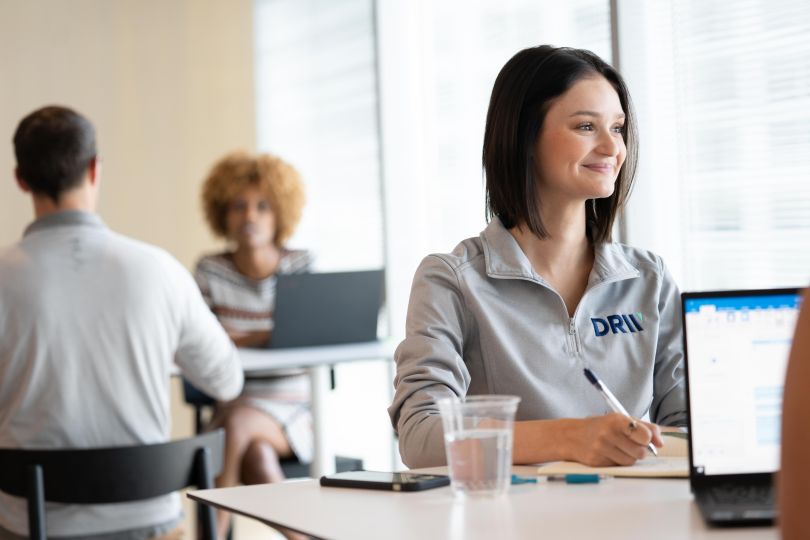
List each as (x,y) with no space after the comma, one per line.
(194,396)
(199,400)
(109,475)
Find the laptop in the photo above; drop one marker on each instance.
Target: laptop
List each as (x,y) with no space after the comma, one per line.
(327,308)
(736,346)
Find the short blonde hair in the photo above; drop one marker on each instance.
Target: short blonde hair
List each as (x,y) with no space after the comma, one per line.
(274,177)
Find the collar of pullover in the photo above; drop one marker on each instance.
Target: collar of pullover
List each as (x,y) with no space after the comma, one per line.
(64,218)
(505,259)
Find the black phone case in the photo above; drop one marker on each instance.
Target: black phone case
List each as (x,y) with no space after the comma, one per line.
(419,485)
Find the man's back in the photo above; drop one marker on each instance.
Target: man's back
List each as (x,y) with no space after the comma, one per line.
(90,324)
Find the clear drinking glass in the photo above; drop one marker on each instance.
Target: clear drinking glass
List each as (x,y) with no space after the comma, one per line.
(478,441)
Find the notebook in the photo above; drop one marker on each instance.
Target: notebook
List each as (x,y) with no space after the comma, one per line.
(736,345)
(671,462)
(327,308)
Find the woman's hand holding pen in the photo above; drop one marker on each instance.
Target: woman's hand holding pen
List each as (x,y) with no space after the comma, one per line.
(612,439)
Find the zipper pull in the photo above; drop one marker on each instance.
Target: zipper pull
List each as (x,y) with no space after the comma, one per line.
(572,332)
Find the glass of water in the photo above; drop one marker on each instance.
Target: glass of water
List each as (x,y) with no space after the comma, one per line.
(478,441)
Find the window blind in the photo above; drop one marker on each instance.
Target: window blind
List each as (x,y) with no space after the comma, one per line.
(741,79)
(468,43)
(316,106)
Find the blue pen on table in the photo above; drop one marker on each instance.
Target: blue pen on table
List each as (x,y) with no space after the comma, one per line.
(571,478)
(577,478)
(612,402)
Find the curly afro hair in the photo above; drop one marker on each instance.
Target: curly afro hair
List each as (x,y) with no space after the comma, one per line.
(274,177)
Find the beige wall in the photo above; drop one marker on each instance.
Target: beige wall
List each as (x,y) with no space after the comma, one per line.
(168,84)
(169,87)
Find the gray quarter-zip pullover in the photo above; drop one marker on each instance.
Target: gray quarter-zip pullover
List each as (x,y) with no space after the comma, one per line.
(482,321)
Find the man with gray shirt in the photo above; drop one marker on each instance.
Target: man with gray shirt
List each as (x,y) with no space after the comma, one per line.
(91,323)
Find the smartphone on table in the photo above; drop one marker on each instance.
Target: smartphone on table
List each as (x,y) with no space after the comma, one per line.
(389,481)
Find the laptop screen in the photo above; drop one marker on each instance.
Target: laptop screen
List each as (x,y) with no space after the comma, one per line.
(737,346)
(327,308)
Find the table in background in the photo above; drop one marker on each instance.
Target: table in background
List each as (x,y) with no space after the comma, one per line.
(318,362)
(617,509)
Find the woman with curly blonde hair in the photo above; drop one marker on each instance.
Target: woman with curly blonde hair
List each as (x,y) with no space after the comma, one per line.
(254,202)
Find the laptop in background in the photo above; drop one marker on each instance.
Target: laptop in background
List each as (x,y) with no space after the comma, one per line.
(736,346)
(327,308)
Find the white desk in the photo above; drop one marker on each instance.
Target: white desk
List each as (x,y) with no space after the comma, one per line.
(317,361)
(618,509)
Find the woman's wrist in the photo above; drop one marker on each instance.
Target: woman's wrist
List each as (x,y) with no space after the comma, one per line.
(538,441)
(250,339)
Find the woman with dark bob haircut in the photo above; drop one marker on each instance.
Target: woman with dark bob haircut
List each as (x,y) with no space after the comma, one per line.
(254,203)
(543,292)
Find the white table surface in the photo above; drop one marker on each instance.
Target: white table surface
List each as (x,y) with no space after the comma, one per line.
(619,508)
(259,360)
(317,361)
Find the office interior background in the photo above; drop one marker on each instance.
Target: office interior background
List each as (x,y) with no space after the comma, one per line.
(381,106)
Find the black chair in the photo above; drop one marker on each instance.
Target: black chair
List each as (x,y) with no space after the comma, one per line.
(291,466)
(111,475)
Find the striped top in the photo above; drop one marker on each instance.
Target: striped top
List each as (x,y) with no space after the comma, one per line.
(239,302)
(246,305)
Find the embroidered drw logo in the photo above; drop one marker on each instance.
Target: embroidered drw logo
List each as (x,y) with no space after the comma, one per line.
(617,324)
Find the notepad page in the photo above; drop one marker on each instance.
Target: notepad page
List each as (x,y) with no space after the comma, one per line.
(675,445)
(651,467)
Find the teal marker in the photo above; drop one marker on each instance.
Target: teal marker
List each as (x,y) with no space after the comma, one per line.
(577,478)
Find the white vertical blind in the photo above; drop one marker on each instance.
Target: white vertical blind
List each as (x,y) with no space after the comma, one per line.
(468,44)
(732,99)
(439,61)
(316,103)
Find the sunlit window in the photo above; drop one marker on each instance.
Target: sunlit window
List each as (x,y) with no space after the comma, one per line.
(316,105)
(731,99)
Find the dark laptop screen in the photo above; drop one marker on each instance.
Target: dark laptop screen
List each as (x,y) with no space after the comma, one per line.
(327,308)
(737,345)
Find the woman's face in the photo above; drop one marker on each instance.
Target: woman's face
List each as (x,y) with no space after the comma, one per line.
(580,149)
(249,220)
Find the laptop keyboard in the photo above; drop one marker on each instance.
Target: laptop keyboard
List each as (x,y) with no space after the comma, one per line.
(735,494)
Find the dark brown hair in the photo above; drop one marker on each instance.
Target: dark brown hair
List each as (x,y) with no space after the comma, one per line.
(54,146)
(521,96)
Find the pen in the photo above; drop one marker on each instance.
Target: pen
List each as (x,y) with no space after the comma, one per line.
(577,478)
(612,402)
